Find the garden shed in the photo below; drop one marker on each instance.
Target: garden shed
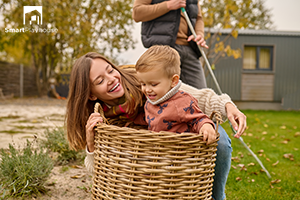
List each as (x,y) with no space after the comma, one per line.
(267,75)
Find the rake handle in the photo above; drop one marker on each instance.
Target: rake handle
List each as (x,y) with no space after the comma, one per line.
(218,87)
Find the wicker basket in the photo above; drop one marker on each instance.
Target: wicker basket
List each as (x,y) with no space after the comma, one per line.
(140,164)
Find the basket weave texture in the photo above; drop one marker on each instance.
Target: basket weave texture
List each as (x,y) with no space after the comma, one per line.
(141,164)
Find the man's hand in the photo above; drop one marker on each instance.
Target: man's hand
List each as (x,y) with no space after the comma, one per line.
(237,119)
(199,40)
(176,4)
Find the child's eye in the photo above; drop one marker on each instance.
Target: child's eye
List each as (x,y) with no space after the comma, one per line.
(110,71)
(154,84)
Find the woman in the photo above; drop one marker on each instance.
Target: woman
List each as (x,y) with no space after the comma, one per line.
(96,79)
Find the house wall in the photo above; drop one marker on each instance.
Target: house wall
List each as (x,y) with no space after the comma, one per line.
(286,71)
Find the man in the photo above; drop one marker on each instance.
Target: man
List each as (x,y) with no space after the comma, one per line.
(165,24)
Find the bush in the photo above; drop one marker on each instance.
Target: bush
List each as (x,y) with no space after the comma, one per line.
(24,171)
(56,142)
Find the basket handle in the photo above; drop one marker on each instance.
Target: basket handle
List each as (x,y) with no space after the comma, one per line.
(98,109)
(218,118)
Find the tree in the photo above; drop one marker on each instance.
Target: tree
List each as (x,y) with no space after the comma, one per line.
(233,15)
(69,29)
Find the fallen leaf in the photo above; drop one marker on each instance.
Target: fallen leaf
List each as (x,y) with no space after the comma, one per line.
(268,159)
(273,145)
(241,154)
(298,181)
(284,142)
(296,149)
(238,178)
(263,138)
(294,127)
(77,176)
(260,151)
(241,165)
(297,134)
(266,125)
(243,168)
(234,167)
(288,155)
(273,137)
(274,164)
(264,133)
(252,180)
(251,164)
(275,181)
(250,134)
(76,166)
(235,159)
(50,184)
(282,127)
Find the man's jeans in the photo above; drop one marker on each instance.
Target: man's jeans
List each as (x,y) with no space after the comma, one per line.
(223,164)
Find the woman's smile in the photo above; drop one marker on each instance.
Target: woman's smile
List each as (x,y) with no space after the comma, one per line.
(106,82)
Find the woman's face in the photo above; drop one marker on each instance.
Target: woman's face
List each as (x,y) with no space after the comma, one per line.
(105,82)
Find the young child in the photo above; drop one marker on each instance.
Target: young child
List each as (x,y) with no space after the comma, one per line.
(168,108)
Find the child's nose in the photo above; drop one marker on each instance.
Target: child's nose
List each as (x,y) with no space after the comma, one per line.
(148,89)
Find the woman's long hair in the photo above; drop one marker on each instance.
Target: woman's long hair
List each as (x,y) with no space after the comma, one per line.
(79,107)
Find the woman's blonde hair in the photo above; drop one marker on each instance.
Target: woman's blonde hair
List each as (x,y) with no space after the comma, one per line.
(160,56)
(79,106)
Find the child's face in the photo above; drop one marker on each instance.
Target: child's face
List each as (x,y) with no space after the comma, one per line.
(155,83)
(105,82)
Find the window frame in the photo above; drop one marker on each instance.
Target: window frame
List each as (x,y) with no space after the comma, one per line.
(257,48)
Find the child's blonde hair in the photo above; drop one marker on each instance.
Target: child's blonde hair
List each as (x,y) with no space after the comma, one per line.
(160,56)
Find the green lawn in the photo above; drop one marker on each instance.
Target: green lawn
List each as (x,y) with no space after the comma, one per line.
(274,136)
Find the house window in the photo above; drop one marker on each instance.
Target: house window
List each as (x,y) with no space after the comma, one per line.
(258,58)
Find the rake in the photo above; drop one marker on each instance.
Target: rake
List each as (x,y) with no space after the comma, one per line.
(219,89)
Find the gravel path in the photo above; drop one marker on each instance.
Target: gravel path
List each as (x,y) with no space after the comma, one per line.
(25,118)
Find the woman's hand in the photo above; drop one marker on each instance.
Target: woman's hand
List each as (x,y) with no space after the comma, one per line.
(89,130)
(237,119)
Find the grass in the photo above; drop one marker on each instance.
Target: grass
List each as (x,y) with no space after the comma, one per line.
(57,142)
(23,171)
(274,136)
(12,132)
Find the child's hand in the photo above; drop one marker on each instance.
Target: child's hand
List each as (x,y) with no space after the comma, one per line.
(209,133)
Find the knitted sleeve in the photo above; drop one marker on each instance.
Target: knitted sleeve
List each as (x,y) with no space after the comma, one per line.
(89,161)
(208,100)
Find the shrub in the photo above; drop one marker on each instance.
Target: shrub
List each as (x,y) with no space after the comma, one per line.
(24,171)
(56,142)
